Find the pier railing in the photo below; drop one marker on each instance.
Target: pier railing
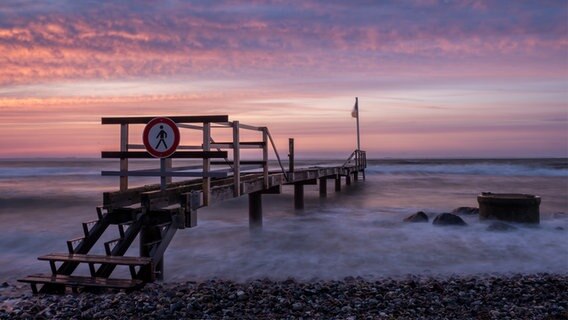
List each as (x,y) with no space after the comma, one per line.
(357,158)
(220,158)
(153,213)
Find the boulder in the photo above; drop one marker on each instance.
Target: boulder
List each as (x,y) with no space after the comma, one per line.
(448,219)
(500,226)
(419,216)
(466,210)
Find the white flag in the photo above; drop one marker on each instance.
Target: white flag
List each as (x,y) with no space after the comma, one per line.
(355,111)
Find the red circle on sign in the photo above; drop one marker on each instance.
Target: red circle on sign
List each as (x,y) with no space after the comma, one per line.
(154,142)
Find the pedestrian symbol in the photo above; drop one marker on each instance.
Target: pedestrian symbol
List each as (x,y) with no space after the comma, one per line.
(161,137)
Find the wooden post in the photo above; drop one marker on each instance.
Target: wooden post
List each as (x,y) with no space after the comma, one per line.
(192,202)
(206,163)
(236,160)
(163,180)
(356,175)
(364,154)
(291,154)
(323,187)
(265,156)
(298,196)
(255,210)
(124,161)
(149,234)
(168,167)
(348,179)
(338,182)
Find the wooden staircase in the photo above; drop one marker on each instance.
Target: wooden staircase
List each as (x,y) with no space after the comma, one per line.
(156,228)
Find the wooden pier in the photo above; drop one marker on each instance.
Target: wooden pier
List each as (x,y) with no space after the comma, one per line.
(214,171)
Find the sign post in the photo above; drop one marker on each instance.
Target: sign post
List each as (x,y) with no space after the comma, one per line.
(161,138)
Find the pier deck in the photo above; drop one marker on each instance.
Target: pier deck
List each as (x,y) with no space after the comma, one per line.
(154,213)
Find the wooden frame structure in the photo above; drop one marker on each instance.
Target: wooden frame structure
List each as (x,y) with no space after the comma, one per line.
(155,212)
(209,151)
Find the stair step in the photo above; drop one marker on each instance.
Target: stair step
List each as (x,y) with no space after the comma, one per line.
(92,258)
(71,243)
(77,281)
(108,244)
(121,230)
(87,225)
(100,212)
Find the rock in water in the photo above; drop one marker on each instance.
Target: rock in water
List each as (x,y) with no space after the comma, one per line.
(419,216)
(448,219)
(500,226)
(466,210)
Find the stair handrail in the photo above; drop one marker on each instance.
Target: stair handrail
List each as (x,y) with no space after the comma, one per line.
(276,153)
(349,159)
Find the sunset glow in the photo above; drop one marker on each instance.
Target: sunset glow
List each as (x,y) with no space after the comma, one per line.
(434,78)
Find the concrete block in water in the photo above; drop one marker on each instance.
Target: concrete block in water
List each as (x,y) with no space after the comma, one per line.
(511,207)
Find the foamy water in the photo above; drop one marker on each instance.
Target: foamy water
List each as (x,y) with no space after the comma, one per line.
(357,232)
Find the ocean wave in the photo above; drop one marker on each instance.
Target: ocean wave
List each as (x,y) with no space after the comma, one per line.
(23,172)
(483,169)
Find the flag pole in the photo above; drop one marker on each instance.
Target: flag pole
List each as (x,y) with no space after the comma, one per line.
(358,135)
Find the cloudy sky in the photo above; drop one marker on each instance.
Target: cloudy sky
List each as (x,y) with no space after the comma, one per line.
(435,78)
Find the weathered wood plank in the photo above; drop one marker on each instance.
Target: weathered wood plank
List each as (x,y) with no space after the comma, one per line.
(168,174)
(179,154)
(176,119)
(77,281)
(84,258)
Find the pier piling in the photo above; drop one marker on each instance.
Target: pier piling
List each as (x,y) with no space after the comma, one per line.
(337,183)
(299,196)
(323,187)
(255,210)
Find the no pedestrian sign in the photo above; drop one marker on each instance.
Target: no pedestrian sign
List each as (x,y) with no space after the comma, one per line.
(161,137)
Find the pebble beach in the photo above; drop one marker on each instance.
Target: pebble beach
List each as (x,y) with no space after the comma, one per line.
(538,296)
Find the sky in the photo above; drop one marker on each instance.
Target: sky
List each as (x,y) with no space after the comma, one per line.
(434,78)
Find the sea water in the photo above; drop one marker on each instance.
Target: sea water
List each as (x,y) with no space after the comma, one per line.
(356,232)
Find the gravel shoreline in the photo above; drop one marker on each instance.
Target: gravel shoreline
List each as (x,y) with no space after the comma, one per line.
(535,296)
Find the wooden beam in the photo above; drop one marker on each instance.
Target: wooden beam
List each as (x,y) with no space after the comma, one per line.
(157,173)
(291,154)
(299,196)
(265,155)
(179,154)
(255,210)
(247,127)
(236,160)
(176,119)
(123,161)
(323,187)
(206,187)
(337,183)
(272,190)
(245,162)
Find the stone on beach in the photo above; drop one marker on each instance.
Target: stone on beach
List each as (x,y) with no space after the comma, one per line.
(419,216)
(448,219)
(537,296)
